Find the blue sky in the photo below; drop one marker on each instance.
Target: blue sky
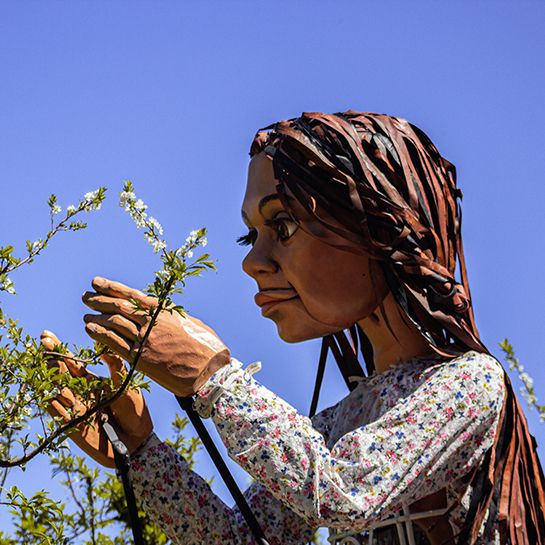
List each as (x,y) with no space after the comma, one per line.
(170,94)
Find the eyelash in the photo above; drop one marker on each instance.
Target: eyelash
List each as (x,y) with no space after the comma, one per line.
(276,223)
(247,240)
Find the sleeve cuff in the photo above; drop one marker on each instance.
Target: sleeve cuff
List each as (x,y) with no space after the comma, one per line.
(220,382)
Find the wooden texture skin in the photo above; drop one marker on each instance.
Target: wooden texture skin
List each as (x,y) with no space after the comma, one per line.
(130,411)
(180,354)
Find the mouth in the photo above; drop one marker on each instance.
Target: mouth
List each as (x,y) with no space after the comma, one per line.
(267,299)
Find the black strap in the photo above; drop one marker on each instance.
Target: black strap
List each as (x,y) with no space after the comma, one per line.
(346,357)
(347,361)
(366,351)
(186,403)
(319,377)
(121,459)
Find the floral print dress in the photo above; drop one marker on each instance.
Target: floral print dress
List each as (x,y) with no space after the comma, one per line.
(419,427)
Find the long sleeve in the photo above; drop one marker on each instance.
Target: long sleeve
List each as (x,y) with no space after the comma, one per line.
(189,513)
(406,434)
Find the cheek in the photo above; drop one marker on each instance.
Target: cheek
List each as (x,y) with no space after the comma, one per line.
(337,288)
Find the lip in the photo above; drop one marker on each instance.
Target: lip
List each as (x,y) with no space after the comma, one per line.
(267,299)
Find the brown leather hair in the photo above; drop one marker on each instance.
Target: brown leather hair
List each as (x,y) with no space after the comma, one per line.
(382,179)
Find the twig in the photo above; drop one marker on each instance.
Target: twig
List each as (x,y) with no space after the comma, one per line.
(89,484)
(74,495)
(71,357)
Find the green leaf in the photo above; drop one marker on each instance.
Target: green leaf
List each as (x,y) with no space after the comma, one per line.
(52,200)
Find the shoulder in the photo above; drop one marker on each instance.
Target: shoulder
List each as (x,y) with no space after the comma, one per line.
(474,370)
(472,377)
(472,385)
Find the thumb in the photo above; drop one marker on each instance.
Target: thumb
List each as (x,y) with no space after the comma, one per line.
(49,340)
(116,367)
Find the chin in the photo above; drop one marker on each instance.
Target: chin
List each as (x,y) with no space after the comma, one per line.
(297,334)
(295,323)
(291,337)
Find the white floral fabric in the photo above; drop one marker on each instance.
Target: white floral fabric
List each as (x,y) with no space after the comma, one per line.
(419,427)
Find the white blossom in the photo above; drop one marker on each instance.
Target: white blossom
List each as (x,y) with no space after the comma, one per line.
(54,392)
(140,205)
(91,202)
(159,245)
(35,246)
(138,218)
(135,208)
(125,197)
(155,224)
(56,209)
(156,243)
(191,238)
(7,285)
(71,209)
(91,195)
(528,381)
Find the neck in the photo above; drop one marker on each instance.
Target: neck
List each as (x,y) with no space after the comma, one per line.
(388,348)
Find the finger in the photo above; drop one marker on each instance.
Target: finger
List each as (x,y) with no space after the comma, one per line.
(65,362)
(66,398)
(117,289)
(130,407)
(50,342)
(58,409)
(50,335)
(117,368)
(115,322)
(113,305)
(82,435)
(62,362)
(111,339)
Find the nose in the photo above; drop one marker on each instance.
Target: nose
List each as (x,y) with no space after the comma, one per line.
(259,260)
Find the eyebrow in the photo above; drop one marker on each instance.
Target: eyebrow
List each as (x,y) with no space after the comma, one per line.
(264,201)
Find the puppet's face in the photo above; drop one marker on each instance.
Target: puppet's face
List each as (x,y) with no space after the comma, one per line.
(307,287)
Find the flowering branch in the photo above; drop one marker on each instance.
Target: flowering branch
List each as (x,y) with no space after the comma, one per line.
(28,365)
(527,389)
(8,263)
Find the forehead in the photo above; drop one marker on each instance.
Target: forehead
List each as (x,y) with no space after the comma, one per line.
(260,177)
(260,184)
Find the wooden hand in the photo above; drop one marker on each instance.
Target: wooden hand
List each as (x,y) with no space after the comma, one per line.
(180,353)
(128,414)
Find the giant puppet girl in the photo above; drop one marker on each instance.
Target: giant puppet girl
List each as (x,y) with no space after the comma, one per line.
(354,232)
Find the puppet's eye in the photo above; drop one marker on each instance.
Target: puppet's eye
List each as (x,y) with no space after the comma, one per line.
(284,226)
